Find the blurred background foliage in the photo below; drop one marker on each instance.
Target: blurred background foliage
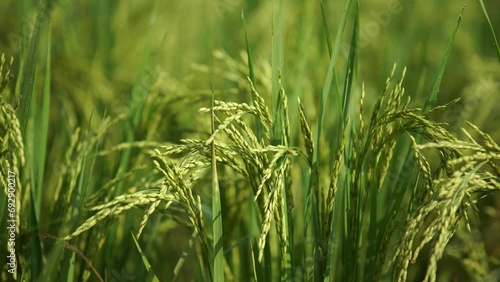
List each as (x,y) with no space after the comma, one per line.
(105,53)
(99,47)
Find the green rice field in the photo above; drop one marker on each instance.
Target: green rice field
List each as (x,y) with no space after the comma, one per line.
(233,140)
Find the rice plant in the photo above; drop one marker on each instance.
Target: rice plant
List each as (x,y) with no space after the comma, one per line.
(251,164)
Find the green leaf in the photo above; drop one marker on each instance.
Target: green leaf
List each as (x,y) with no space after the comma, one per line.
(216,212)
(495,41)
(432,99)
(151,275)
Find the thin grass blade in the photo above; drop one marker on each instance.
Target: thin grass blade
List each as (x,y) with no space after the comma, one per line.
(251,75)
(151,275)
(29,68)
(182,259)
(494,37)
(216,211)
(436,84)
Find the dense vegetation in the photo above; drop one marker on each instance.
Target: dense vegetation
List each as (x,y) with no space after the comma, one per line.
(250,140)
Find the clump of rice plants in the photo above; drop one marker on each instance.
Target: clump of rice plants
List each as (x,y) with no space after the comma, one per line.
(247,167)
(438,201)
